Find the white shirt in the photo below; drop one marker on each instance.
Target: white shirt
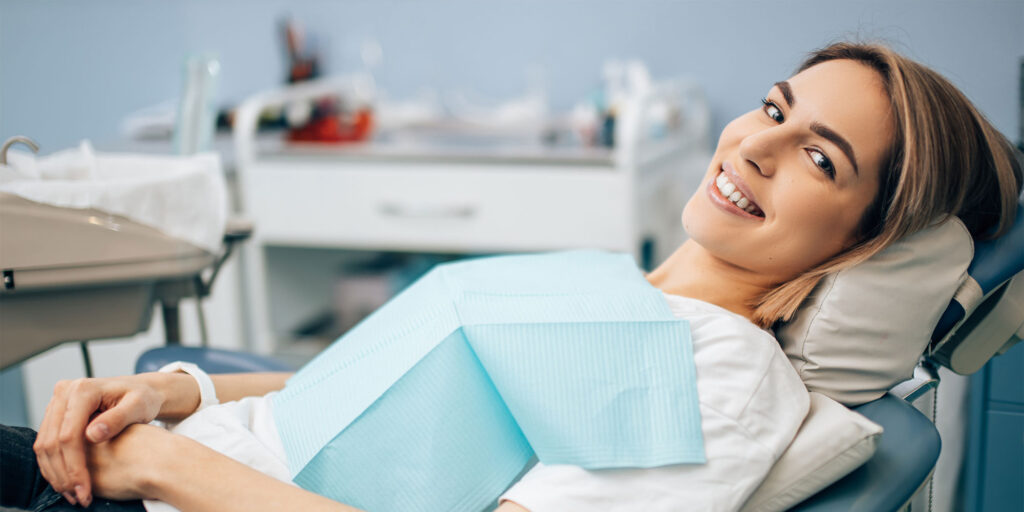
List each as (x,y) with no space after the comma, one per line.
(751,402)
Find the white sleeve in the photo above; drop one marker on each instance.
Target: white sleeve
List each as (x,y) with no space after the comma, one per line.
(207,391)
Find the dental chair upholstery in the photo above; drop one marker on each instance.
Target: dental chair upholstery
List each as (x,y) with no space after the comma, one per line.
(906,453)
(211,360)
(984,319)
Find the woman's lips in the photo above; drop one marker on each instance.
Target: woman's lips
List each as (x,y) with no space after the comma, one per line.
(739,191)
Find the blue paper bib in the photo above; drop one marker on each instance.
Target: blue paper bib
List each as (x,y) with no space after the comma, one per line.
(441,398)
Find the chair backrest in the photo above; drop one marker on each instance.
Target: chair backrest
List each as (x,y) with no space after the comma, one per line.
(986,316)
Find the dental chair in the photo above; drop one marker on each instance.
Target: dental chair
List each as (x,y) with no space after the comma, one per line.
(983,320)
(977,325)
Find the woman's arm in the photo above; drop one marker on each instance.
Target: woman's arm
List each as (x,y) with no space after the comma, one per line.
(237,487)
(99,409)
(151,463)
(510,506)
(234,386)
(180,393)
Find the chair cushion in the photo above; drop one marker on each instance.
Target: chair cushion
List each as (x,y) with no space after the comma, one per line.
(862,330)
(831,442)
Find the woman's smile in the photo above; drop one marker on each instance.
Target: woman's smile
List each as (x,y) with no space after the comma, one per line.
(731,193)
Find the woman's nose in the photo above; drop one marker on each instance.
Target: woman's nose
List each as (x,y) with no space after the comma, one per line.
(758,149)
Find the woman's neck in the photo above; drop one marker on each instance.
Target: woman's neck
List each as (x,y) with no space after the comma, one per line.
(691,271)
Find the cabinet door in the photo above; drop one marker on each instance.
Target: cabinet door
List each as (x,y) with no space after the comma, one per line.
(1003,486)
(1005,374)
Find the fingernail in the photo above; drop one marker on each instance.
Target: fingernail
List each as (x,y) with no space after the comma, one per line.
(98,432)
(70,498)
(83,497)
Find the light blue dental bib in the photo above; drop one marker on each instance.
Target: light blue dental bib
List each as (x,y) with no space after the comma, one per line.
(441,398)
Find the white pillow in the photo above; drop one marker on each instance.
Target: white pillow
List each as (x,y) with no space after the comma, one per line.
(862,330)
(831,442)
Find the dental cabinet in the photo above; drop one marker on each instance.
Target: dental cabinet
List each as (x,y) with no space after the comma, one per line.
(454,189)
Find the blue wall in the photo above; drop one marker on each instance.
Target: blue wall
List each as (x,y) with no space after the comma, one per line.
(72,69)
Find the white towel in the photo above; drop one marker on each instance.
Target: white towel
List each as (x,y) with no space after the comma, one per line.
(183,196)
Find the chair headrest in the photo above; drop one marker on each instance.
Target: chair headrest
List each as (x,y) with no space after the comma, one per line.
(863,329)
(994,263)
(986,316)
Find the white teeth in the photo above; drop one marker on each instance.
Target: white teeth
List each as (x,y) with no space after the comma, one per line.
(730,192)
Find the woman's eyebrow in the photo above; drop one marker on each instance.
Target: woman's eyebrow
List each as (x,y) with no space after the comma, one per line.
(838,140)
(787,92)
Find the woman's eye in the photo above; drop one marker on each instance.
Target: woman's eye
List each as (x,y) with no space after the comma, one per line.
(772,110)
(824,163)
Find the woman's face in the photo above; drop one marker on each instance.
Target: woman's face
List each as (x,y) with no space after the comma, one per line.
(789,182)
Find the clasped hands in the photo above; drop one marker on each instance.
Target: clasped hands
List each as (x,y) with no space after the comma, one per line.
(94,440)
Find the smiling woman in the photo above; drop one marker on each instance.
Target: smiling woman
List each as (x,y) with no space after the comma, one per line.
(858,149)
(785,161)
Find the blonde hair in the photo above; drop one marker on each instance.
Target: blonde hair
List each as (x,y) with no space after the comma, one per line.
(945,159)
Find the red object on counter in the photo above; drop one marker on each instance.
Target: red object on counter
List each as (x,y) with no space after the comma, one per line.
(358,128)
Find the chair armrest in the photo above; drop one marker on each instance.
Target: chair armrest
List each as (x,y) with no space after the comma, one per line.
(211,360)
(904,459)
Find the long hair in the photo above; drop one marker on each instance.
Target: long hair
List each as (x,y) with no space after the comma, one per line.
(945,159)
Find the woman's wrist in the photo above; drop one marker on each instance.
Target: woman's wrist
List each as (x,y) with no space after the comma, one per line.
(179,393)
(169,467)
(207,390)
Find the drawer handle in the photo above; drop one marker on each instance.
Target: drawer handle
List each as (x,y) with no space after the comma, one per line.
(427,211)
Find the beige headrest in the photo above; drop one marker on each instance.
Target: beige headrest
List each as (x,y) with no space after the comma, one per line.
(863,329)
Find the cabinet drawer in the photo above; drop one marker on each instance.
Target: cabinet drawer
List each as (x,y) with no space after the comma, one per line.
(444,207)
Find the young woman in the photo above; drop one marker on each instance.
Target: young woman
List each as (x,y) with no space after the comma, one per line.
(856,150)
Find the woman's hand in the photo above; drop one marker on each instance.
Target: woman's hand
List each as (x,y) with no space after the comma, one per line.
(124,467)
(96,410)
